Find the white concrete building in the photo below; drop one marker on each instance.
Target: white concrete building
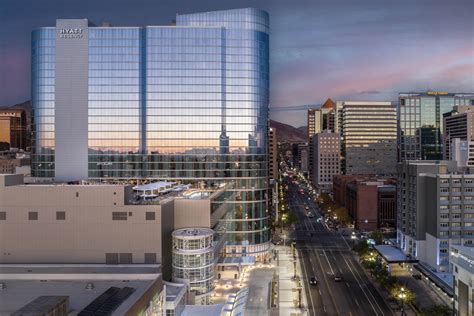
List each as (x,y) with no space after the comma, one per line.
(462,261)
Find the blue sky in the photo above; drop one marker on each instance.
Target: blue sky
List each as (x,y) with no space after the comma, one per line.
(352,49)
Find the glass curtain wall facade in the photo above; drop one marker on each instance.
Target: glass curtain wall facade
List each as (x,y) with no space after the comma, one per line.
(420,117)
(187,102)
(42,99)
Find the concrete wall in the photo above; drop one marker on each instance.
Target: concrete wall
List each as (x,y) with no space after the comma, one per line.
(192,213)
(431,252)
(71,100)
(87,233)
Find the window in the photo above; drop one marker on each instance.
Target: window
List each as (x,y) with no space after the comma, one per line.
(119,216)
(111,258)
(150,216)
(60,216)
(150,257)
(3,216)
(125,258)
(32,216)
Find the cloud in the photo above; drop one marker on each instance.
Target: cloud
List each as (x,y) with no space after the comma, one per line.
(369,92)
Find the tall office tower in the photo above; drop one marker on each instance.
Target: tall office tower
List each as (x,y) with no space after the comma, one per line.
(326,160)
(435,209)
(420,119)
(319,120)
(12,129)
(272,154)
(369,137)
(303,157)
(459,123)
(185,102)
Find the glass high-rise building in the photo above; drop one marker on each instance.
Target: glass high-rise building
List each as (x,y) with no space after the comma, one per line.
(420,119)
(182,102)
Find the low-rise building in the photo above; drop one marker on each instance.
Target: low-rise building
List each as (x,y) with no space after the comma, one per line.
(370,201)
(100,223)
(85,289)
(462,261)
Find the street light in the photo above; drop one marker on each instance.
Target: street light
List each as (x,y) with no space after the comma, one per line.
(402,297)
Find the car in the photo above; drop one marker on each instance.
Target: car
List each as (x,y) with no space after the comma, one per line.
(337,278)
(313,281)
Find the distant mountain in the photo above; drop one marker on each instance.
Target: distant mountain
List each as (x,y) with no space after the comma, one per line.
(288,133)
(304,129)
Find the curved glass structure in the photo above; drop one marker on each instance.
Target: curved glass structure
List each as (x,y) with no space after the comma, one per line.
(193,261)
(185,102)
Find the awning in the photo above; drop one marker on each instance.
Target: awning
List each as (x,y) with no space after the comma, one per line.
(235,261)
(392,254)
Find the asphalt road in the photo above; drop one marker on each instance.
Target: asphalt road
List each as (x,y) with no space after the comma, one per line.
(326,253)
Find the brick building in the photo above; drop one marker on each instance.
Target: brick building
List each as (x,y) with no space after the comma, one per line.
(371,202)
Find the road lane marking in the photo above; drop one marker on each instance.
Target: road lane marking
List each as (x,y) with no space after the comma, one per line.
(360,286)
(307,282)
(327,286)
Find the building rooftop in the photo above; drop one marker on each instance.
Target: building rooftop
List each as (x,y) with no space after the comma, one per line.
(436,93)
(193,232)
(392,254)
(463,256)
(22,284)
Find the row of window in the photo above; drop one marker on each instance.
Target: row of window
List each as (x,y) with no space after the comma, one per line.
(127,258)
(457,190)
(61,216)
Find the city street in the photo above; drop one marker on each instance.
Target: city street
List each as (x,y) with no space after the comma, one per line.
(326,254)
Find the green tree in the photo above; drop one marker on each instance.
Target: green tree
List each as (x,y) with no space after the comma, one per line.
(437,310)
(402,294)
(377,236)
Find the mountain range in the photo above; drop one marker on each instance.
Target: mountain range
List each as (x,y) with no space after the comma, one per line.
(288,133)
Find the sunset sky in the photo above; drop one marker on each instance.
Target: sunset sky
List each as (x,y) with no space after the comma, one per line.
(352,49)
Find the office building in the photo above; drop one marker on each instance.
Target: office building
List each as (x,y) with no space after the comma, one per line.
(420,117)
(369,137)
(302,157)
(326,160)
(185,102)
(435,209)
(12,129)
(370,201)
(319,120)
(272,154)
(462,260)
(458,126)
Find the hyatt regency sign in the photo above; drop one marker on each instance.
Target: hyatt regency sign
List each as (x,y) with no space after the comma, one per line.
(70,33)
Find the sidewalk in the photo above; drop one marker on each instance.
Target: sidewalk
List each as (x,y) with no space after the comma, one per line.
(287,292)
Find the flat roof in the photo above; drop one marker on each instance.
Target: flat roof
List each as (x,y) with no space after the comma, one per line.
(393,254)
(231,261)
(193,233)
(153,186)
(25,283)
(203,310)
